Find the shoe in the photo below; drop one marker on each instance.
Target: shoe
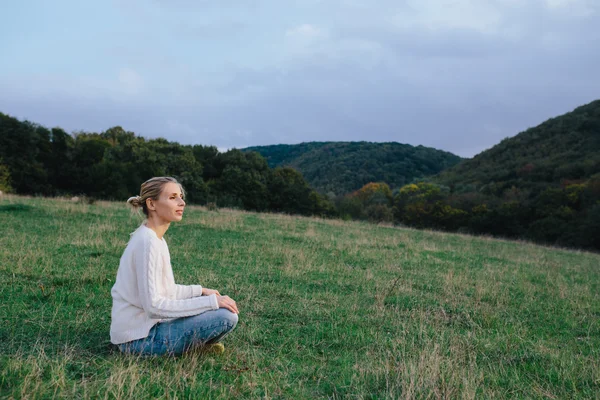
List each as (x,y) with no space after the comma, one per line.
(215,348)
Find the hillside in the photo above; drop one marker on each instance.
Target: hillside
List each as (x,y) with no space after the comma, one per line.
(542,185)
(563,148)
(342,167)
(328,309)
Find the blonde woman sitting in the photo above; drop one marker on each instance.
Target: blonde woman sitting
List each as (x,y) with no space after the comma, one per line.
(151,314)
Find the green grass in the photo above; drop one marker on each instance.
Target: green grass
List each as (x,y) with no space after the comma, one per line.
(328,309)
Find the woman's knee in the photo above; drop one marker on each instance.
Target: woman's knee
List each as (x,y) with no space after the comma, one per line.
(228,317)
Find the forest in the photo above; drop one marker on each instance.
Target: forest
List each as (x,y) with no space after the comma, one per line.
(541,185)
(35,160)
(337,168)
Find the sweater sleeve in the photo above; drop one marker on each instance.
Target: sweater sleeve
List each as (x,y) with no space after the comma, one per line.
(155,303)
(187,291)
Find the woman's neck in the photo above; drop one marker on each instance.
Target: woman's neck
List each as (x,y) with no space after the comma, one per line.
(158,226)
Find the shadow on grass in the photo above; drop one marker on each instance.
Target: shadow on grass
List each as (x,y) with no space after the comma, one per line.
(16,208)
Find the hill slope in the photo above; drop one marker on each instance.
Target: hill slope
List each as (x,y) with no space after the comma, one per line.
(342,167)
(328,309)
(563,148)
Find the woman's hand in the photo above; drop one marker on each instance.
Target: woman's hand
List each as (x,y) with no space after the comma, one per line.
(208,292)
(228,303)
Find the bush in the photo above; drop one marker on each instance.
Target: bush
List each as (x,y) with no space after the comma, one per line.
(349,205)
(379,213)
(590,228)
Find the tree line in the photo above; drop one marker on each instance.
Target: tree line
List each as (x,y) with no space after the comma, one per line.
(542,185)
(565,215)
(112,164)
(337,168)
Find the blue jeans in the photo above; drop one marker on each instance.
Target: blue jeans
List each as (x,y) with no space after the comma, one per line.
(176,336)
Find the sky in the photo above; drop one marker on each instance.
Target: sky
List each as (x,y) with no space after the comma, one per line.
(456,75)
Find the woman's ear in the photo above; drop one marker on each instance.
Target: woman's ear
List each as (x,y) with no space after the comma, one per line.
(150,204)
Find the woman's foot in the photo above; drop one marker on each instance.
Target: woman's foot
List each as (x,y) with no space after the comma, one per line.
(215,348)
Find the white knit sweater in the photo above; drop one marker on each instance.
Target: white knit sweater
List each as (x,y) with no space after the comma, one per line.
(145,292)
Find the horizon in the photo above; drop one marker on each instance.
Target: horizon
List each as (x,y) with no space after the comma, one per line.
(225,149)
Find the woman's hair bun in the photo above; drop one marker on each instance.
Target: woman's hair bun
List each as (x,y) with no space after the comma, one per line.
(135,201)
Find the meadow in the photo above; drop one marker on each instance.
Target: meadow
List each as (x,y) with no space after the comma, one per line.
(328,309)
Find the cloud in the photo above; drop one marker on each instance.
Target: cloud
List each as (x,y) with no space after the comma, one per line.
(304,31)
(574,8)
(131,82)
(305,39)
(435,15)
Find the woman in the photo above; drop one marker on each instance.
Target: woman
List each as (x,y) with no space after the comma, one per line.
(151,314)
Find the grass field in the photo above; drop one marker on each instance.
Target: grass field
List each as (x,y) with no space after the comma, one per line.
(328,309)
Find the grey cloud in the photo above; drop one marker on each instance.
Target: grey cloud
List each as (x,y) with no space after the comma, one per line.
(460,89)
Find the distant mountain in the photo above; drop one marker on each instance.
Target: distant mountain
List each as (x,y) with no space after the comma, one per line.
(565,148)
(342,167)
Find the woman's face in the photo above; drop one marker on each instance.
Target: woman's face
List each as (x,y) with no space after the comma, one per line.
(170,204)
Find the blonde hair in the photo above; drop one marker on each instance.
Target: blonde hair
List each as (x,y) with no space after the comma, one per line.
(151,189)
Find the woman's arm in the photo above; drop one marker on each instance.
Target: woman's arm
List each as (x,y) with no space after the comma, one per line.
(187,291)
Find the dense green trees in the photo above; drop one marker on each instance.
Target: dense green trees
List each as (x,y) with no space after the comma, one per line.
(542,185)
(112,164)
(338,168)
(4,178)
(568,215)
(563,148)
(371,202)
(20,148)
